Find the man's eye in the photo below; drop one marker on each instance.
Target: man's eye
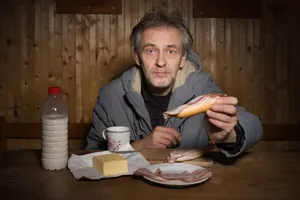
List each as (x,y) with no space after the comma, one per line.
(150,51)
(171,51)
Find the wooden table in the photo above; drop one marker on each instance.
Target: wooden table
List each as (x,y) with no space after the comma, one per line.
(252,176)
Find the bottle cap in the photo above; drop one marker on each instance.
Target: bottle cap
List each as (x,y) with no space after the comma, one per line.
(54,90)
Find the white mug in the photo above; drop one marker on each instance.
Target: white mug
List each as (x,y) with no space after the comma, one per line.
(117,137)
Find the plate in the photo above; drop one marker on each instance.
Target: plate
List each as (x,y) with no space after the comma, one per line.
(174,168)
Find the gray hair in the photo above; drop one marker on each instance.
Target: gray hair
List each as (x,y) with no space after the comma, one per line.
(159,18)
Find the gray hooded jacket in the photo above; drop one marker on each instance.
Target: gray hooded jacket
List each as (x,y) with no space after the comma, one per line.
(120,103)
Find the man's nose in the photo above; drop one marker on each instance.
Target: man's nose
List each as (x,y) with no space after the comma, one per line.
(160,61)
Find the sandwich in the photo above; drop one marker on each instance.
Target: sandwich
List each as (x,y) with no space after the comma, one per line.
(198,105)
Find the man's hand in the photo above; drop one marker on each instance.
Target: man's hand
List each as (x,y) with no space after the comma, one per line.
(222,119)
(160,137)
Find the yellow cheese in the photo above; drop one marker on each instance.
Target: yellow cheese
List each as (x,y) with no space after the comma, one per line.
(110,164)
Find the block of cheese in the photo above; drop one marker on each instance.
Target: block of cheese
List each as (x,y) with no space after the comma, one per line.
(110,164)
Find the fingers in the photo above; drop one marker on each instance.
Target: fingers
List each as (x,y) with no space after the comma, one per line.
(229,100)
(224,108)
(163,142)
(221,116)
(165,135)
(223,113)
(169,131)
(222,125)
(170,138)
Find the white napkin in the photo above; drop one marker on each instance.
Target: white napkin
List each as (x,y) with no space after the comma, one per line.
(81,166)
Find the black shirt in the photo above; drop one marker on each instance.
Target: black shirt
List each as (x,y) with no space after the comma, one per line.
(156,106)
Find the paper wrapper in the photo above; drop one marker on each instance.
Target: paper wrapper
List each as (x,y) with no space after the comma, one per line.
(81,166)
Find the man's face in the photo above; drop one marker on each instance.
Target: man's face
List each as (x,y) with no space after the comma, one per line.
(161,56)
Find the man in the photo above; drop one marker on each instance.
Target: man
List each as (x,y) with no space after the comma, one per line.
(168,74)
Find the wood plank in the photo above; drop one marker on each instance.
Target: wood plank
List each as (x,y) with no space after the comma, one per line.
(43,68)
(148,5)
(191,21)
(242,78)
(25,47)
(29,98)
(89,6)
(294,45)
(284,132)
(38,88)
(228,40)
(106,51)
(257,89)
(68,64)
(235,60)
(127,31)
(56,69)
(141,9)
(85,35)
(248,69)
(102,71)
(213,49)
(206,44)
(116,72)
(17,62)
(268,81)
(281,79)
(121,39)
(13,58)
(198,38)
(3,59)
(79,70)
(182,6)
(220,53)
(133,15)
(227,9)
(91,81)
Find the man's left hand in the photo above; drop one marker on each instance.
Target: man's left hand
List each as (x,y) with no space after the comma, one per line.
(222,119)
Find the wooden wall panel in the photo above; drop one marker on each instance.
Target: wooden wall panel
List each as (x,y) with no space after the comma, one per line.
(255,60)
(293,48)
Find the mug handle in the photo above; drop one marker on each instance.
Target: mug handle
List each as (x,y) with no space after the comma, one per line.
(103,134)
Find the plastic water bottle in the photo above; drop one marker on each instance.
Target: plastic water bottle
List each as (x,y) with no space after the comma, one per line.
(54,131)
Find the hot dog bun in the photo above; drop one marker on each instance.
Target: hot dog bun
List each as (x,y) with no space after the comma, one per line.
(198,105)
(195,109)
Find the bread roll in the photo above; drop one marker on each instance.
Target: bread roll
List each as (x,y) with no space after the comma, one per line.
(195,106)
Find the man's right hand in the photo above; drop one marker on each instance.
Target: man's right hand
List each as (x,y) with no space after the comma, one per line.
(160,137)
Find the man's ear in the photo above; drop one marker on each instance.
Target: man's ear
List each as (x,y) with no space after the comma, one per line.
(183,59)
(137,59)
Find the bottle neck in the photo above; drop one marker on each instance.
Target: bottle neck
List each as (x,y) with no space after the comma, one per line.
(55,96)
